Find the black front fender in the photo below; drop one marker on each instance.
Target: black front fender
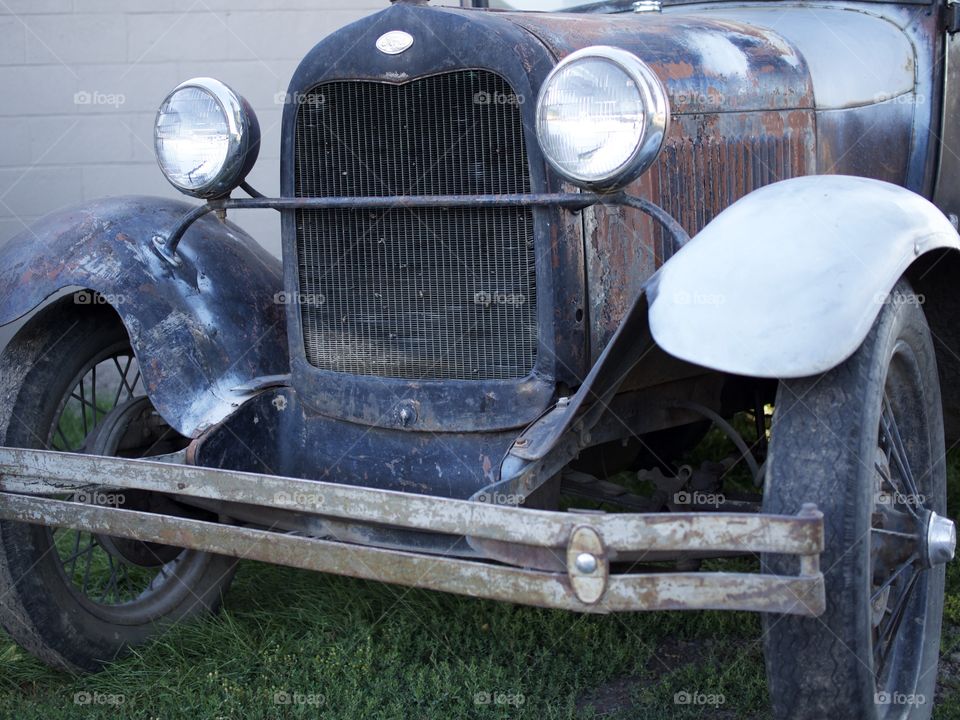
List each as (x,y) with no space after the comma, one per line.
(200,329)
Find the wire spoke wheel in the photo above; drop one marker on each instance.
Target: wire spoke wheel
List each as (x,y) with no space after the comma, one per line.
(91,419)
(78,599)
(102,576)
(899,570)
(865,443)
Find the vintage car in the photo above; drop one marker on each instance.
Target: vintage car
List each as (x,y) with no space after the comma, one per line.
(529,260)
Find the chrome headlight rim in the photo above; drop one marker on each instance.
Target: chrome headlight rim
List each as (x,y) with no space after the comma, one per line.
(243,132)
(656,118)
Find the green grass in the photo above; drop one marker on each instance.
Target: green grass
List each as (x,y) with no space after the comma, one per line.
(354,649)
(341,648)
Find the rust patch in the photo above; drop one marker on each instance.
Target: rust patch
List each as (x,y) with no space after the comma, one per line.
(680,70)
(709,162)
(707,65)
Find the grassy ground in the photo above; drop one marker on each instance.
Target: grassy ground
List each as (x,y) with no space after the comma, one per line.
(300,645)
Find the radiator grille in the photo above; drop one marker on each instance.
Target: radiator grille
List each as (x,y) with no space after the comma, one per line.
(416,294)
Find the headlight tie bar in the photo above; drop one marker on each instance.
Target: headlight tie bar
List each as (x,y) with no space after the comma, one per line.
(166,245)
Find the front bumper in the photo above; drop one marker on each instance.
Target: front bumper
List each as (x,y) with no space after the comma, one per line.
(589,542)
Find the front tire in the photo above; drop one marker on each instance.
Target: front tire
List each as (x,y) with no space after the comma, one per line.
(865,443)
(78,600)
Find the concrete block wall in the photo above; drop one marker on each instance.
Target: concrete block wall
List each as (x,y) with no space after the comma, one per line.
(80,81)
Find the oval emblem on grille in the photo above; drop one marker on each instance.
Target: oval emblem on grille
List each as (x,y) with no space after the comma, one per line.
(394,42)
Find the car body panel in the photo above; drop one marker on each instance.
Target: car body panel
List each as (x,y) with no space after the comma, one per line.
(200,330)
(755,99)
(707,64)
(482,41)
(788,281)
(877,58)
(277,433)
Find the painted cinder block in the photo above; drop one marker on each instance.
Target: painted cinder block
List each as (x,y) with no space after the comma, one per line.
(81,81)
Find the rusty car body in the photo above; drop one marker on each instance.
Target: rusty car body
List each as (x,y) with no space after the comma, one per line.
(461,332)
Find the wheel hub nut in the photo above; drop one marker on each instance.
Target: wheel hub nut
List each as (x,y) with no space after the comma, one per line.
(941,540)
(586,563)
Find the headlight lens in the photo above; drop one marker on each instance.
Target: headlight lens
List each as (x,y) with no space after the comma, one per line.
(601,117)
(207,138)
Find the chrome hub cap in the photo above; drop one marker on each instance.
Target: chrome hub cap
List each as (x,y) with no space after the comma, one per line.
(941,540)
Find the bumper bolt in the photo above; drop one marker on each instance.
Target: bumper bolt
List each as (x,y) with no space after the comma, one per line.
(586,563)
(407,413)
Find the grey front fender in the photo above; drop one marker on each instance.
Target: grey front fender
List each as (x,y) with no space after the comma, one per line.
(200,330)
(788,281)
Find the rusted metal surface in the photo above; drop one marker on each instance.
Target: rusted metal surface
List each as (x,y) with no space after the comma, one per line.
(570,304)
(708,65)
(167,243)
(590,540)
(476,41)
(767,108)
(199,329)
(743,116)
(801,595)
(277,433)
(350,399)
(873,55)
(45,472)
(755,98)
(862,58)
(327,528)
(707,163)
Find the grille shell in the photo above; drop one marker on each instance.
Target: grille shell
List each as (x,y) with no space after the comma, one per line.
(426,293)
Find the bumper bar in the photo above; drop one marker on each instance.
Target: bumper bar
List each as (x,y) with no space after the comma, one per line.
(589,541)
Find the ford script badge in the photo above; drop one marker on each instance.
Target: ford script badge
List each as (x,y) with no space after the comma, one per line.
(394,42)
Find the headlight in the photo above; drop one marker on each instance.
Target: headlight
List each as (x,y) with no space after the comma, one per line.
(207,138)
(601,117)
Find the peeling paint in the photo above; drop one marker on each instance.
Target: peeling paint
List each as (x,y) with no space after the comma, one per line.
(719,54)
